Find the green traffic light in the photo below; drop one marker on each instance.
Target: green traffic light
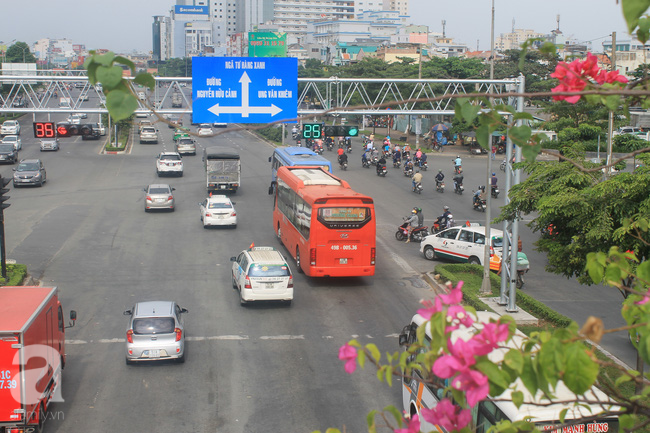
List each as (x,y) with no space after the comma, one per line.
(353,131)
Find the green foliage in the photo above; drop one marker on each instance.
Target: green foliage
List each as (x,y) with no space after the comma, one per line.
(589,132)
(272,133)
(176,67)
(19,53)
(569,134)
(629,142)
(15,274)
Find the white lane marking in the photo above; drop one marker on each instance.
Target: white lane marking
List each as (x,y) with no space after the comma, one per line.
(396,258)
(226,338)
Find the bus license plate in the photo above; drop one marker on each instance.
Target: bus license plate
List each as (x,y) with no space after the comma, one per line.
(343,261)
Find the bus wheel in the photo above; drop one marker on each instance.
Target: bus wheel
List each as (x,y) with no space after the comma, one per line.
(298,261)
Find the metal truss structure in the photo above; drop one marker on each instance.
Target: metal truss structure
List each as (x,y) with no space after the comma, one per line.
(316,96)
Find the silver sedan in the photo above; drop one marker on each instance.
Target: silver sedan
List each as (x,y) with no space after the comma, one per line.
(158,196)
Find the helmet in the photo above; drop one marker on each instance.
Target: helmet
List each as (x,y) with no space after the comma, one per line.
(414,211)
(457,156)
(419,209)
(494,174)
(445,207)
(439,171)
(417,171)
(482,187)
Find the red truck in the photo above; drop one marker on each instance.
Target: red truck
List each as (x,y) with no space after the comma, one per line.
(32,355)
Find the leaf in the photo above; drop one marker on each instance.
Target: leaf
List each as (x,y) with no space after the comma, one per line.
(145,79)
(121,104)
(370,419)
(613,273)
(92,69)
(644,30)
(470,111)
(105,59)
(626,422)
(372,348)
(594,268)
(389,376)
(517,398)
(520,115)
(632,11)
(622,379)
(580,370)
(563,414)
(397,414)
(643,272)
(493,373)
(483,136)
(551,360)
(528,375)
(361,358)
(515,360)
(126,62)
(520,134)
(109,77)
(612,102)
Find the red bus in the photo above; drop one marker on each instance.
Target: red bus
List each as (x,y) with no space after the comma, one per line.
(326,226)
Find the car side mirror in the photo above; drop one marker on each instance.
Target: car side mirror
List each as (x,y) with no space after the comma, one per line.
(184,310)
(144,189)
(173,189)
(13,169)
(269,159)
(233,259)
(73,318)
(128,313)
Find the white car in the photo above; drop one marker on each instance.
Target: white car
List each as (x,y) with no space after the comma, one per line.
(262,274)
(74,119)
(49,144)
(461,244)
(81,115)
(205,129)
(169,163)
(14,140)
(10,127)
(218,210)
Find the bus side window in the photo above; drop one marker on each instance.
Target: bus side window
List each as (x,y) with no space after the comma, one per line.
(487,415)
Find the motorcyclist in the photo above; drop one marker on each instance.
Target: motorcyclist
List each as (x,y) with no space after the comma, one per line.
(340,152)
(381,163)
(478,195)
(369,145)
(458,163)
(444,219)
(408,165)
(411,223)
(458,181)
(423,159)
(493,180)
(375,155)
(420,215)
(294,131)
(343,158)
(364,158)
(417,178)
(407,150)
(418,155)
(397,157)
(439,178)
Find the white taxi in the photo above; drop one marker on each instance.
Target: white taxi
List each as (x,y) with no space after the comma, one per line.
(169,163)
(461,244)
(218,210)
(204,129)
(262,274)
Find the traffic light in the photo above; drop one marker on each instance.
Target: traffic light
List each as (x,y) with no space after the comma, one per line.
(68,129)
(3,198)
(341,131)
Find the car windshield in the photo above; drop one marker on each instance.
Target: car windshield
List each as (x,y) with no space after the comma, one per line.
(205,127)
(10,138)
(185,141)
(258,270)
(158,190)
(27,166)
(6,148)
(220,205)
(171,157)
(154,325)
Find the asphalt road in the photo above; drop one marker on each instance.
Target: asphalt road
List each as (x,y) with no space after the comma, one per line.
(257,368)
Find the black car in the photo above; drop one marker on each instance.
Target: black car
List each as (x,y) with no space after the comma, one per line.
(8,153)
(94,135)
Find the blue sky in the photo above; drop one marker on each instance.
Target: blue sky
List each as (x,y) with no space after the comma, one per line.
(125,25)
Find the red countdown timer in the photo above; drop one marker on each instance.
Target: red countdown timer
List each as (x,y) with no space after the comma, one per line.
(44,130)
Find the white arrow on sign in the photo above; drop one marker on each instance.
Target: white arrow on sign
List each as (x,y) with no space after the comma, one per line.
(245,109)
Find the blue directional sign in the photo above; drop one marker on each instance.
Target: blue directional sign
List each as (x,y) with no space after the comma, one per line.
(244,89)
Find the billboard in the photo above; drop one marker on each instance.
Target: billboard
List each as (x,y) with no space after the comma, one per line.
(267,44)
(193,10)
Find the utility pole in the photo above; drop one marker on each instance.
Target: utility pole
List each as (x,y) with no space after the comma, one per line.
(486,285)
(3,182)
(610,126)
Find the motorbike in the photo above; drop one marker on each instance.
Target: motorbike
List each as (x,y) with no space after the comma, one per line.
(438,225)
(459,188)
(458,169)
(503,165)
(523,265)
(422,164)
(294,135)
(298,142)
(381,170)
(437,147)
(479,204)
(329,143)
(365,163)
(374,159)
(417,234)
(494,191)
(440,187)
(408,171)
(418,188)
(343,165)
(318,149)
(397,163)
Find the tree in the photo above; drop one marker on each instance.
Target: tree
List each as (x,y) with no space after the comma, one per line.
(578,212)
(19,53)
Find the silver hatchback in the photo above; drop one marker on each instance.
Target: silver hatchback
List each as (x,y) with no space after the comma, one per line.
(155,332)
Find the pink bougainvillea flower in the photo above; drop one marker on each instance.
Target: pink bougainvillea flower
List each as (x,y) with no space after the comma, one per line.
(455,296)
(645,298)
(446,415)
(460,358)
(474,383)
(431,308)
(412,425)
(348,354)
(456,316)
(489,338)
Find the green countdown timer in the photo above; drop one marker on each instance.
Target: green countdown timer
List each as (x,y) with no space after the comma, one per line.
(312,130)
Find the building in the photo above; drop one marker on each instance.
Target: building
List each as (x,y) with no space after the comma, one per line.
(377,26)
(630,54)
(293,16)
(514,39)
